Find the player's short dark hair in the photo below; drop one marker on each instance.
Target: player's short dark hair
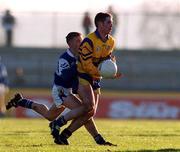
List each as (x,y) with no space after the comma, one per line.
(71,35)
(101,17)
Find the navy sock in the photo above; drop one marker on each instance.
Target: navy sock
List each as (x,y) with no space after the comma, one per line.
(25,103)
(99,139)
(61,121)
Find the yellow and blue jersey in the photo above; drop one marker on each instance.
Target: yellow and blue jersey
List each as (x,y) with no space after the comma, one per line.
(92,51)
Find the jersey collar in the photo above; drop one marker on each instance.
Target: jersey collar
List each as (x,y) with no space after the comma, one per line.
(70,53)
(99,36)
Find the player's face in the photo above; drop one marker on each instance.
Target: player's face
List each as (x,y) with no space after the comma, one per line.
(75,43)
(107,25)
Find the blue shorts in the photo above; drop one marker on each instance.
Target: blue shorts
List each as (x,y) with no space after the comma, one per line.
(85,79)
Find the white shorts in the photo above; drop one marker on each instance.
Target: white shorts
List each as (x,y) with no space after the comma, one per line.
(58,92)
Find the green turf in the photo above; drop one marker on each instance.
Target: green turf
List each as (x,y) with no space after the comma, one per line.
(33,135)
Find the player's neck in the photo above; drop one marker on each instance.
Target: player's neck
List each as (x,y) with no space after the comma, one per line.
(73,51)
(103,35)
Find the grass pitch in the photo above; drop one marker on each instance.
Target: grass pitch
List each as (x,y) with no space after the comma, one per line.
(33,135)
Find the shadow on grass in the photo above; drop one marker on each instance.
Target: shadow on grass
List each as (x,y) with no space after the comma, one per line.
(12,133)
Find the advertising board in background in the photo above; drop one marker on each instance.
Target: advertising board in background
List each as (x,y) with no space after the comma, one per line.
(118,106)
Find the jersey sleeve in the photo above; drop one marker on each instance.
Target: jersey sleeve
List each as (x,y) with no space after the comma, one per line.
(85,56)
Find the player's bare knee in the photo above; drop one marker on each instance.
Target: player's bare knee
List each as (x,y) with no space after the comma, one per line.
(91,113)
(89,108)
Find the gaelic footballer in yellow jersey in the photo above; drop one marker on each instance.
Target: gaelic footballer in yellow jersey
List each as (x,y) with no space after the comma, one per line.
(94,48)
(92,51)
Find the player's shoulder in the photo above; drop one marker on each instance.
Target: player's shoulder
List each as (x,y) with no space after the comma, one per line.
(65,55)
(92,36)
(88,40)
(68,57)
(111,38)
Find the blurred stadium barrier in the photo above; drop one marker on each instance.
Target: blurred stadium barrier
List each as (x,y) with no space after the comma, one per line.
(143,70)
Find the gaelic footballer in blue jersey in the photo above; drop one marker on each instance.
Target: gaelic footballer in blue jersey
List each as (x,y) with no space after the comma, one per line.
(64,79)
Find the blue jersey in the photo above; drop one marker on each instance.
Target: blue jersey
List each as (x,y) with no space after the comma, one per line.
(3,74)
(66,72)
